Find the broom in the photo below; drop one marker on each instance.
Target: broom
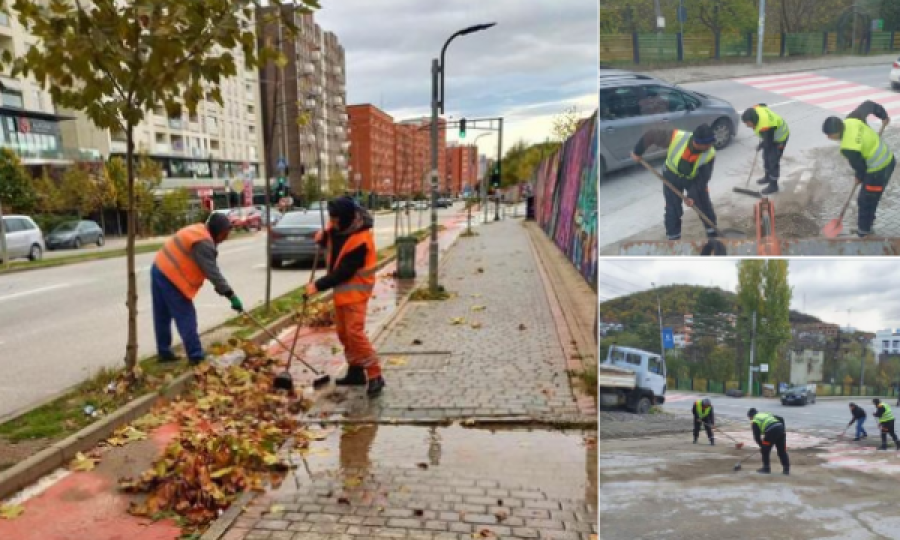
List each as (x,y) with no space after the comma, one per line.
(744,190)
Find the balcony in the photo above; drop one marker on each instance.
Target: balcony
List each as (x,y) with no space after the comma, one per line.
(176,123)
(338,100)
(158,148)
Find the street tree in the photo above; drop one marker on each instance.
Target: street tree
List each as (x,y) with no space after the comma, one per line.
(763,289)
(336,184)
(148,178)
(16,193)
(565,124)
(75,190)
(310,189)
(102,193)
(115,61)
(48,195)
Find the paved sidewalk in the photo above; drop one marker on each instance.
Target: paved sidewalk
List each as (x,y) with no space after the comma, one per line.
(492,350)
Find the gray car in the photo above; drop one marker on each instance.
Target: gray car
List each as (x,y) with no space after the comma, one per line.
(74,234)
(293,239)
(631,104)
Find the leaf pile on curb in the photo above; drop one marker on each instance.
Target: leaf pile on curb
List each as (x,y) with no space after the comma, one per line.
(318,315)
(232,426)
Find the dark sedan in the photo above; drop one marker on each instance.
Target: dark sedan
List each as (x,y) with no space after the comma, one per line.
(293,239)
(74,234)
(798,395)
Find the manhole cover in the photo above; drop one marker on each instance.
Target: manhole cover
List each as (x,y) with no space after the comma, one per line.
(431,362)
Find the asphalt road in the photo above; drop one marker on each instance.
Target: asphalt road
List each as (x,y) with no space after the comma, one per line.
(58,326)
(631,200)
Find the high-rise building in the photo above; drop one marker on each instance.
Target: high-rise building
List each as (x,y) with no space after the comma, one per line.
(462,167)
(372,149)
(306,101)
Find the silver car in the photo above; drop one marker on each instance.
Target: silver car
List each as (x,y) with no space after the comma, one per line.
(293,239)
(631,104)
(24,238)
(74,234)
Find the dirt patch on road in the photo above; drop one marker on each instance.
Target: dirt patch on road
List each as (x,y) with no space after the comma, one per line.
(621,424)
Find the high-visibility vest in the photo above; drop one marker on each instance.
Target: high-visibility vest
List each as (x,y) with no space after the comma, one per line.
(700,411)
(860,137)
(175,262)
(764,420)
(768,119)
(359,287)
(887,415)
(680,140)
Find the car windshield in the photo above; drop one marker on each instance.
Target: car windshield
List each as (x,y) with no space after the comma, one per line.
(797,389)
(66,227)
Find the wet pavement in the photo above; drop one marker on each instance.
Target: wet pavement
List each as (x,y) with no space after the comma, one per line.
(368,481)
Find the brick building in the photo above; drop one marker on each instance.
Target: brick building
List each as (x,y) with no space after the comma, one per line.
(462,167)
(423,157)
(410,158)
(372,149)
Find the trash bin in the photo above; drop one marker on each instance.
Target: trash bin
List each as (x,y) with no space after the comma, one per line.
(406,257)
(529,208)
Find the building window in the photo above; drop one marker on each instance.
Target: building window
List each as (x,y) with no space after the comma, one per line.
(11,98)
(160,138)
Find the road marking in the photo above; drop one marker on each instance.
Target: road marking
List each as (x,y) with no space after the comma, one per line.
(34,291)
(782,103)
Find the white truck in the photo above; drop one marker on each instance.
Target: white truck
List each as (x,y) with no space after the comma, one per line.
(632,378)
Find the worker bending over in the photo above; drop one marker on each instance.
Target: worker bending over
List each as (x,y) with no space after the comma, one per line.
(885,417)
(769,430)
(773,133)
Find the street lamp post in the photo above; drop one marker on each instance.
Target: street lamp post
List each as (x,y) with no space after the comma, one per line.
(438,70)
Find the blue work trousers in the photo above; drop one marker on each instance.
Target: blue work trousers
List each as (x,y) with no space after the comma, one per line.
(860,430)
(169,303)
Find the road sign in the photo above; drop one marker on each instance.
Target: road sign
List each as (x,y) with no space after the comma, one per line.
(282,164)
(764,368)
(668,338)
(660,22)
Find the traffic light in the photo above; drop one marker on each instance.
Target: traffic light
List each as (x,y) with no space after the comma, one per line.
(462,128)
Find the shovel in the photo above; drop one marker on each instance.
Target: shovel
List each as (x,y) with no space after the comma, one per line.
(668,184)
(745,190)
(280,383)
(835,226)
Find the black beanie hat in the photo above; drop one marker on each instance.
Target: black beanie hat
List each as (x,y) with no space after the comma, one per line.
(750,115)
(832,125)
(218,224)
(343,209)
(704,135)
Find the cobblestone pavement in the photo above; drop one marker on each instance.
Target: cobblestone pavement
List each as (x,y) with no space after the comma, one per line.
(491,350)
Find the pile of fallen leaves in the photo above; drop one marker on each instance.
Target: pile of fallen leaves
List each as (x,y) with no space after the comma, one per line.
(232,426)
(317,315)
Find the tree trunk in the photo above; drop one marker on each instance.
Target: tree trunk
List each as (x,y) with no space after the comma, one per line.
(131,301)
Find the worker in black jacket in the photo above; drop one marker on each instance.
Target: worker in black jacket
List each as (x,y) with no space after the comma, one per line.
(859,416)
(689,165)
(703,414)
(872,161)
(885,417)
(769,430)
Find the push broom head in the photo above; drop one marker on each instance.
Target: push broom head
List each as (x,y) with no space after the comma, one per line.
(284,381)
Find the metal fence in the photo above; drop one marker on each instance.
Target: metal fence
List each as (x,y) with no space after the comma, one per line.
(708,386)
(673,48)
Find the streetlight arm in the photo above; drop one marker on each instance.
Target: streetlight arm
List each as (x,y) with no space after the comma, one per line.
(463,32)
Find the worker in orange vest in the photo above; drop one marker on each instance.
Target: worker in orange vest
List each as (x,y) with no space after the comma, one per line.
(185,261)
(351,256)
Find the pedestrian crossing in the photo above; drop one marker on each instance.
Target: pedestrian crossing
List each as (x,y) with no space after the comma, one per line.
(675,398)
(828,93)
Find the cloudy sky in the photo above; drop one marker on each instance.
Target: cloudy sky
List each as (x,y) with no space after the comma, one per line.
(827,287)
(539,59)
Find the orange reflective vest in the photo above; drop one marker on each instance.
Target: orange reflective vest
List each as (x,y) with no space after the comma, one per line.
(359,287)
(175,262)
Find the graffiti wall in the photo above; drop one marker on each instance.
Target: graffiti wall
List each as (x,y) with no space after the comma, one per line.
(565,189)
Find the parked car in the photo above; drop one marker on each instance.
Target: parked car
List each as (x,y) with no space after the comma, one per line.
(74,234)
(24,239)
(274,216)
(400,205)
(895,75)
(631,104)
(799,395)
(444,202)
(420,205)
(293,239)
(246,217)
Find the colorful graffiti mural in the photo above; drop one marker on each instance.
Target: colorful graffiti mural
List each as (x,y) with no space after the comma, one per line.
(565,189)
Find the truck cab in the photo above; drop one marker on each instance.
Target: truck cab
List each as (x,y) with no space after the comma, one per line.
(646,378)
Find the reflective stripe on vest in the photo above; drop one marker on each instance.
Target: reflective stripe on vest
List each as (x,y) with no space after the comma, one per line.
(764,421)
(768,119)
(680,140)
(699,408)
(887,415)
(175,262)
(860,137)
(359,287)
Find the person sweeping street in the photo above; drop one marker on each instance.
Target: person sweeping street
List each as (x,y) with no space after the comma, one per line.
(351,259)
(872,161)
(885,417)
(859,416)
(773,133)
(703,414)
(769,430)
(689,165)
(181,266)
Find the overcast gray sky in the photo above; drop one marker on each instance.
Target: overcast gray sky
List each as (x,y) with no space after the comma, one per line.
(540,58)
(828,287)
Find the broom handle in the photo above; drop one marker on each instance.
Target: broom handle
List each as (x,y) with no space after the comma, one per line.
(668,184)
(752,168)
(303,309)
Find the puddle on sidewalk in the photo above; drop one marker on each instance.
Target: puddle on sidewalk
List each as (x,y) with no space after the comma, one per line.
(561,464)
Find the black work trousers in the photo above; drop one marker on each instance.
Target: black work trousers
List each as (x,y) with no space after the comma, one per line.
(705,423)
(887,428)
(675,209)
(772,153)
(869,195)
(776,437)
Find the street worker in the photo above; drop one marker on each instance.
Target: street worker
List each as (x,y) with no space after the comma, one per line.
(872,161)
(351,256)
(179,270)
(885,417)
(859,416)
(703,414)
(689,166)
(769,430)
(773,133)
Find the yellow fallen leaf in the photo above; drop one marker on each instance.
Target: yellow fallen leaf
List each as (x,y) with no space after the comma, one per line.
(476,325)
(276,509)
(353,482)
(479,308)
(221,472)
(11,511)
(457,320)
(82,463)
(396,361)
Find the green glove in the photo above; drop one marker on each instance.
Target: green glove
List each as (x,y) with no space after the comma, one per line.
(236,304)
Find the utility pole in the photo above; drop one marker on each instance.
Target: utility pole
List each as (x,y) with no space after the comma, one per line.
(662,341)
(752,352)
(499,170)
(3,239)
(762,32)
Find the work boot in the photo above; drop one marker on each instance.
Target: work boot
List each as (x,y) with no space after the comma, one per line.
(695,440)
(712,442)
(786,472)
(194,362)
(376,385)
(356,376)
(763,181)
(167,358)
(771,188)
(856,439)
(764,470)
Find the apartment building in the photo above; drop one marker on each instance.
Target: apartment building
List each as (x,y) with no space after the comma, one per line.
(462,167)
(411,151)
(311,87)
(423,160)
(372,149)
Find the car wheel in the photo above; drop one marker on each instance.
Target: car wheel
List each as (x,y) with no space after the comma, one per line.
(100,241)
(643,406)
(805,401)
(77,243)
(35,253)
(723,131)
(276,262)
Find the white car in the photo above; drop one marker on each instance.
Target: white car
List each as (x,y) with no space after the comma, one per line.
(24,239)
(895,75)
